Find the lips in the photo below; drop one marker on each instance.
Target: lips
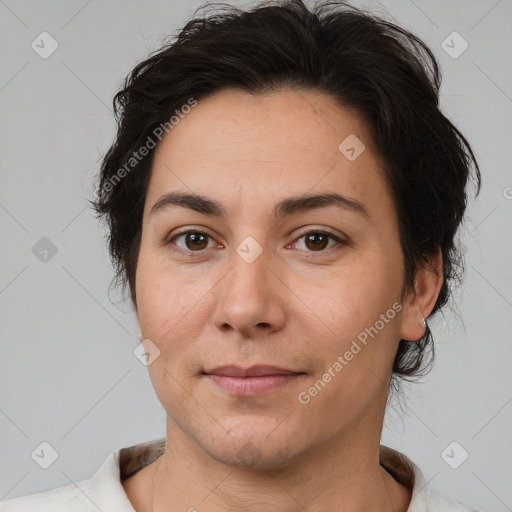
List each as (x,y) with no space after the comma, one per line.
(253,371)
(252,381)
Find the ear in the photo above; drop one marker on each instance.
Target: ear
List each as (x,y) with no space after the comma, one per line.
(421,301)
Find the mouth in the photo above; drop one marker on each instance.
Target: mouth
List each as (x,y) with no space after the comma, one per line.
(252,381)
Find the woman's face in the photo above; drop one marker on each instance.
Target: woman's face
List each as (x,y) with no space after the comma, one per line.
(252,289)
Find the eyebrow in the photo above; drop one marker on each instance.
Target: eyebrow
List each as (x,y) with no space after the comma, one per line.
(288,206)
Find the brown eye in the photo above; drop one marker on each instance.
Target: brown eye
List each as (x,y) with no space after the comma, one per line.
(196,240)
(193,241)
(316,241)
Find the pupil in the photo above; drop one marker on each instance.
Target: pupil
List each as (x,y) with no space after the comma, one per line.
(197,239)
(315,236)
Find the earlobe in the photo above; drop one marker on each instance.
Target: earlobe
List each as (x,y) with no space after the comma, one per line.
(421,301)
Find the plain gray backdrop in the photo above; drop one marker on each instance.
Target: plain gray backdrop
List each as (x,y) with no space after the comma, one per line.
(68,375)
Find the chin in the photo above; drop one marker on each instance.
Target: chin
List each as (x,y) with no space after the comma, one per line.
(252,456)
(254,443)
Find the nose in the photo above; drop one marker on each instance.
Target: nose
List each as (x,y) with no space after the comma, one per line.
(251,298)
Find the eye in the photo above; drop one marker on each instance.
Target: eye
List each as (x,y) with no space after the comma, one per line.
(193,240)
(317,241)
(196,241)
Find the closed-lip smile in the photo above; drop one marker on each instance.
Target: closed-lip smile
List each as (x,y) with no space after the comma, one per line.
(251,381)
(252,371)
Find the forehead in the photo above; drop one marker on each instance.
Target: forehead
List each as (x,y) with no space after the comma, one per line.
(265,145)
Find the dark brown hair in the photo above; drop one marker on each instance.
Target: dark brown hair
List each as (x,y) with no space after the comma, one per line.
(383,72)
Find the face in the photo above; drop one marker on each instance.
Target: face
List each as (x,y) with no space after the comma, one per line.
(311,287)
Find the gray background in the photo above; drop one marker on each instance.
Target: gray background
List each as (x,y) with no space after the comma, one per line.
(68,375)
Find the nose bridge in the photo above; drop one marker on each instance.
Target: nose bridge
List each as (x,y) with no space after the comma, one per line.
(248,298)
(249,268)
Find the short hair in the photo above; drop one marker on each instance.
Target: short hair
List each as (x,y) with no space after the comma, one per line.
(381,71)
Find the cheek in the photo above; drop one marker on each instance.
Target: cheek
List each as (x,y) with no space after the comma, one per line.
(358,321)
(171,308)
(360,309)
(350,299)
(157,300)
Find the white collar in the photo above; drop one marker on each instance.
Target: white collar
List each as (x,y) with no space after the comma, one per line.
(105,491)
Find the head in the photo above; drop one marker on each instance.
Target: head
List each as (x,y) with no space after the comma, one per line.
(241,117)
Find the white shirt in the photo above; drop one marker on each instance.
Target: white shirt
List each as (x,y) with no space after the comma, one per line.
(104,491)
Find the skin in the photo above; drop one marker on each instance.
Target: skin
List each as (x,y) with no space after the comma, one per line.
(295,306)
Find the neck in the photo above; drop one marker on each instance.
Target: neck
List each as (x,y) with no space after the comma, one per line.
(342,471)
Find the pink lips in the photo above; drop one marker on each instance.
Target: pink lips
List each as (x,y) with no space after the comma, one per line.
(252,381)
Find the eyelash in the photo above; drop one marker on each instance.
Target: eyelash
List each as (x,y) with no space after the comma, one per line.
(302,235)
